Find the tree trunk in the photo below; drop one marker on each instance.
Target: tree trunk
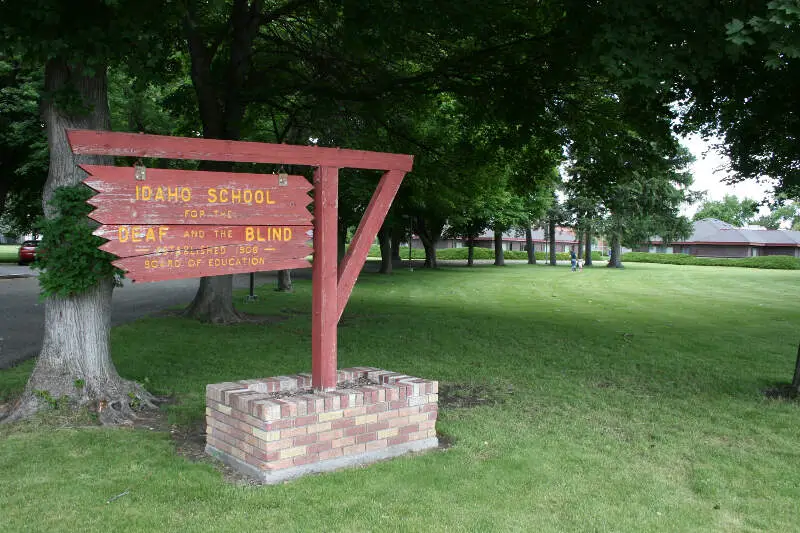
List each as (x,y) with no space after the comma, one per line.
(796,378)
(384,240)
(341,243)
(74,367)
(398,233)
(551,225)
(285,281)
(499,258)
(615,261)
(214,301)
(222,109)
(429,236)
(470,251)
(588,254)
(579,235)
(430,255)
(529,246)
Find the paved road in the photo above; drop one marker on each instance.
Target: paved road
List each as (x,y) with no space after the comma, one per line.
(22,314)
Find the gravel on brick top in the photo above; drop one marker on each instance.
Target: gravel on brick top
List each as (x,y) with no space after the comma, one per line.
(342,385)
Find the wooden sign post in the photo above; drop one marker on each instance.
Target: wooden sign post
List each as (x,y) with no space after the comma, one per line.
(168,224)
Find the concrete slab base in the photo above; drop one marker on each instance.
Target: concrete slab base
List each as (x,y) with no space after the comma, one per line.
(329,465)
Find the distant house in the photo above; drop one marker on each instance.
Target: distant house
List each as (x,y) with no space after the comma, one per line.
(512,240)
(515,240)
(714,238)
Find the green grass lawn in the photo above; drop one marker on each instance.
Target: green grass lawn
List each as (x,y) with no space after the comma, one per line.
(617,400)
(9,253)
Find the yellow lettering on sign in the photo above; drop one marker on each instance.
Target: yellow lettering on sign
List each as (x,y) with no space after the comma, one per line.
(223,195)
(269,234)
(140,233)
(147,193)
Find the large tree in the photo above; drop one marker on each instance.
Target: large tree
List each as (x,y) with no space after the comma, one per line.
(74,363)
(637,171)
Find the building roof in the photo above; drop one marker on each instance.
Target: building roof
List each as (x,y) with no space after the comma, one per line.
(713,231)
(562,235)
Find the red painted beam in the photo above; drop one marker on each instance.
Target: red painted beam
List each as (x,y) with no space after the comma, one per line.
(368,228)
(91,142)
(324,303)
(168,196)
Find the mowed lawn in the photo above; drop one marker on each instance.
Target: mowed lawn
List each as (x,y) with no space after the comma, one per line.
(9,253)
(614,400)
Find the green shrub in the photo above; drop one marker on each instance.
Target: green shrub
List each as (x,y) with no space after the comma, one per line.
(775,262)
(458,254)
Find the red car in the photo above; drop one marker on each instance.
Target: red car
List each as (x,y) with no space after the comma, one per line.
(27,252)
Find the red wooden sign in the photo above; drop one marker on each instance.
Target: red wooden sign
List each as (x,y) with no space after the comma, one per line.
(227,200)
(168,196)
(215,261)
(128,240)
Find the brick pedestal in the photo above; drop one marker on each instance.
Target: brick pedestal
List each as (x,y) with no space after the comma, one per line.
(274,429)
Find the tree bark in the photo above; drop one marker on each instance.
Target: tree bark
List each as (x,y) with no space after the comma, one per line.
(615,261)
(429,235)
(214,301)
(341,242)
(551,226)
(430,255)
(470,251)
(222,109)
(499,258)
(796,378)
(588,254)
(398,233)
(74,367)
(285,281)
(529,246)
(384,240)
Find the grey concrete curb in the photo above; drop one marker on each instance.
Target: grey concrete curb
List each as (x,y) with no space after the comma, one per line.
(15,276)
(271,478)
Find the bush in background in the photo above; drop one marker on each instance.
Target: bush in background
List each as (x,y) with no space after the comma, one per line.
(458,254)
(774,262)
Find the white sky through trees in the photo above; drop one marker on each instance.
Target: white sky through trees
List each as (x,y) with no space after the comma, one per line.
(709,169)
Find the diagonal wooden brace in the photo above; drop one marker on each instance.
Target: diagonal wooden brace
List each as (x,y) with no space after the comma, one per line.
(368,228)
(330,294)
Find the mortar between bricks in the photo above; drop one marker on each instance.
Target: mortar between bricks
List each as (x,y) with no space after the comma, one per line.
(276,428)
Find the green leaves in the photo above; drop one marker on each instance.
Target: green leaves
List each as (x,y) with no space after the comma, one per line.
(69,257)
(730,209)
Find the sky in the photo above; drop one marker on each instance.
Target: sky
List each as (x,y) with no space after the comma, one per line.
(707,176)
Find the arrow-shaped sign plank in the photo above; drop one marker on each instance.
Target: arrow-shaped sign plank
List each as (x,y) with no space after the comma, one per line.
(129,240)
(168,196)
(214,261)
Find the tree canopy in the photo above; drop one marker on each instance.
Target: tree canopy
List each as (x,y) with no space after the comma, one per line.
(730,209)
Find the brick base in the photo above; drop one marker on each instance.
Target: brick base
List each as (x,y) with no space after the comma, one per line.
(273,437)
